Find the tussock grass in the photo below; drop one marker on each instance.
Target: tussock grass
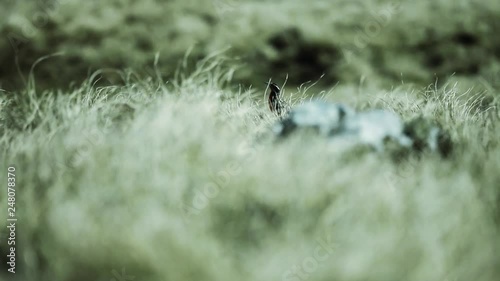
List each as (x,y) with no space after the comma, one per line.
(179,181)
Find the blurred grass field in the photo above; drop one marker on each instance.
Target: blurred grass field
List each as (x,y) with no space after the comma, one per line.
(173,182)
(143,151)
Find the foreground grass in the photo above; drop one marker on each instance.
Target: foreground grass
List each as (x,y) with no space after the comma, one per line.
(181,182)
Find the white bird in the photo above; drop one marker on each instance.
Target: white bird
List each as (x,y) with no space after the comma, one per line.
(374,127)
(343,126)
(327,118)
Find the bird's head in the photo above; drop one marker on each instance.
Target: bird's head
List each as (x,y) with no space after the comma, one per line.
(274,101)
(275,89)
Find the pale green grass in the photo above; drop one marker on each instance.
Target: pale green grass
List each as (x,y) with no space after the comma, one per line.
(182,181)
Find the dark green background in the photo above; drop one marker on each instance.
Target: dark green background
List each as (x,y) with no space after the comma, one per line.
(381,42)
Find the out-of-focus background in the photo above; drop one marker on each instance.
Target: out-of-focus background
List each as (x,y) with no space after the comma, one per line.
(376,41)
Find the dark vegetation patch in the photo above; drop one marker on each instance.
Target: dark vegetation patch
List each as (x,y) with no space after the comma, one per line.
(301,59)
(95,36)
